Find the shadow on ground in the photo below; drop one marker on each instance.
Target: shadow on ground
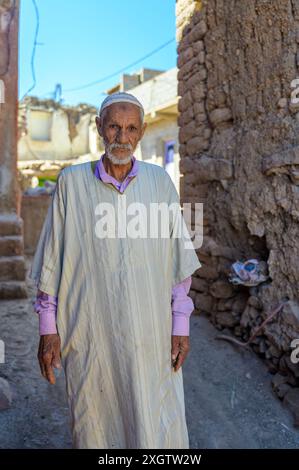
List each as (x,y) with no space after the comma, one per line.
(228,396)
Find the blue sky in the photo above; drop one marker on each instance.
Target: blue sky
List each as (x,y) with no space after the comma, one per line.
(84,41)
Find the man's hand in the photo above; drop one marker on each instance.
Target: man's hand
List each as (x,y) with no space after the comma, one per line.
(180,347)
(49,356)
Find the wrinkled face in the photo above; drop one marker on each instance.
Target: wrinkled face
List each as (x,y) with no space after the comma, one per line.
(121,128)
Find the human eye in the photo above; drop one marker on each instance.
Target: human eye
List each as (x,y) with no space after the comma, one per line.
(132,128)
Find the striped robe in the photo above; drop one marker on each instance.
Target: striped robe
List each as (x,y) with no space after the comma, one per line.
(114,313)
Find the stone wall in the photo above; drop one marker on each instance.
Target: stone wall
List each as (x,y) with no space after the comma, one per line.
(33,212)
(12,265)
(239,150)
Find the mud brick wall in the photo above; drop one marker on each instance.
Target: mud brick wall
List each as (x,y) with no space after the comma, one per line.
(239,150)
(12,263)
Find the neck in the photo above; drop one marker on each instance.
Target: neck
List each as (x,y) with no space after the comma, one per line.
(119,172)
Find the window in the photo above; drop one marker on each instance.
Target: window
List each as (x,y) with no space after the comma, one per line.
(40,124)
(169,158)
(169,152)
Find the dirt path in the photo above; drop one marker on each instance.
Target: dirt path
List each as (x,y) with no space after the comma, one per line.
(229,401)
(38,417)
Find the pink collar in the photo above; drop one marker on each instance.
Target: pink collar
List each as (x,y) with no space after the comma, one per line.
(101,173)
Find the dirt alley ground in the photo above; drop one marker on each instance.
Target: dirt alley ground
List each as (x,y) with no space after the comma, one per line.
(228,396)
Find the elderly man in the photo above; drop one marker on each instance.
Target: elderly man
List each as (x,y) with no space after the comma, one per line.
(113,309)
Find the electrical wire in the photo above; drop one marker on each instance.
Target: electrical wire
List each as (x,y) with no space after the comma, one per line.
(123,69)
(33,50)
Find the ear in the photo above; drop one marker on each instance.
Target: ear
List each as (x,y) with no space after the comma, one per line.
(143,129)
(99,126)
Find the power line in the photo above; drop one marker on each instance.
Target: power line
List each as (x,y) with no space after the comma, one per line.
(90,84)
(103,79)
(35,43)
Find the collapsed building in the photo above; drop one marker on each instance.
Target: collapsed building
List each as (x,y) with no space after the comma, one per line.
(52,136)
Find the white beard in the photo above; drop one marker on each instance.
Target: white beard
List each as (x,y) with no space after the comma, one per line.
(115,160)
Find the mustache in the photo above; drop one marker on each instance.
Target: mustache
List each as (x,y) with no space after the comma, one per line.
(120,146)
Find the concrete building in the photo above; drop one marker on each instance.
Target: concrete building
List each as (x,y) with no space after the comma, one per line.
(50,131)
(52,136)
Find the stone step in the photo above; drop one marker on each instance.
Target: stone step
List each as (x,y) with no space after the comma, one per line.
(12,290)
(11,245)
(12,268)
(10,224)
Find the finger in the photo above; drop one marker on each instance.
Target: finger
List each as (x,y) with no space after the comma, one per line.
(178,344)
(50,373)
(179,341)
(40,360)
(42,368)
(175,361)
(56,362)
(47,364)
(175,349)
(181,358)
(174,356)
(179,362)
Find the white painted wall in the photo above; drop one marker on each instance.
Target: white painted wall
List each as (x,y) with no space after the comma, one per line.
(48,138)
(151,148)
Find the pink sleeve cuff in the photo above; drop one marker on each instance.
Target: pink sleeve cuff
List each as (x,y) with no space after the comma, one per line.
(180,325)
(182,307)
(46,307)
(47,324)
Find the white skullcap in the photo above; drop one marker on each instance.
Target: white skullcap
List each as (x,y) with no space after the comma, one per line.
(119,97)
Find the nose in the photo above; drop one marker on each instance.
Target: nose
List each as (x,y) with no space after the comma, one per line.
(122,136)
